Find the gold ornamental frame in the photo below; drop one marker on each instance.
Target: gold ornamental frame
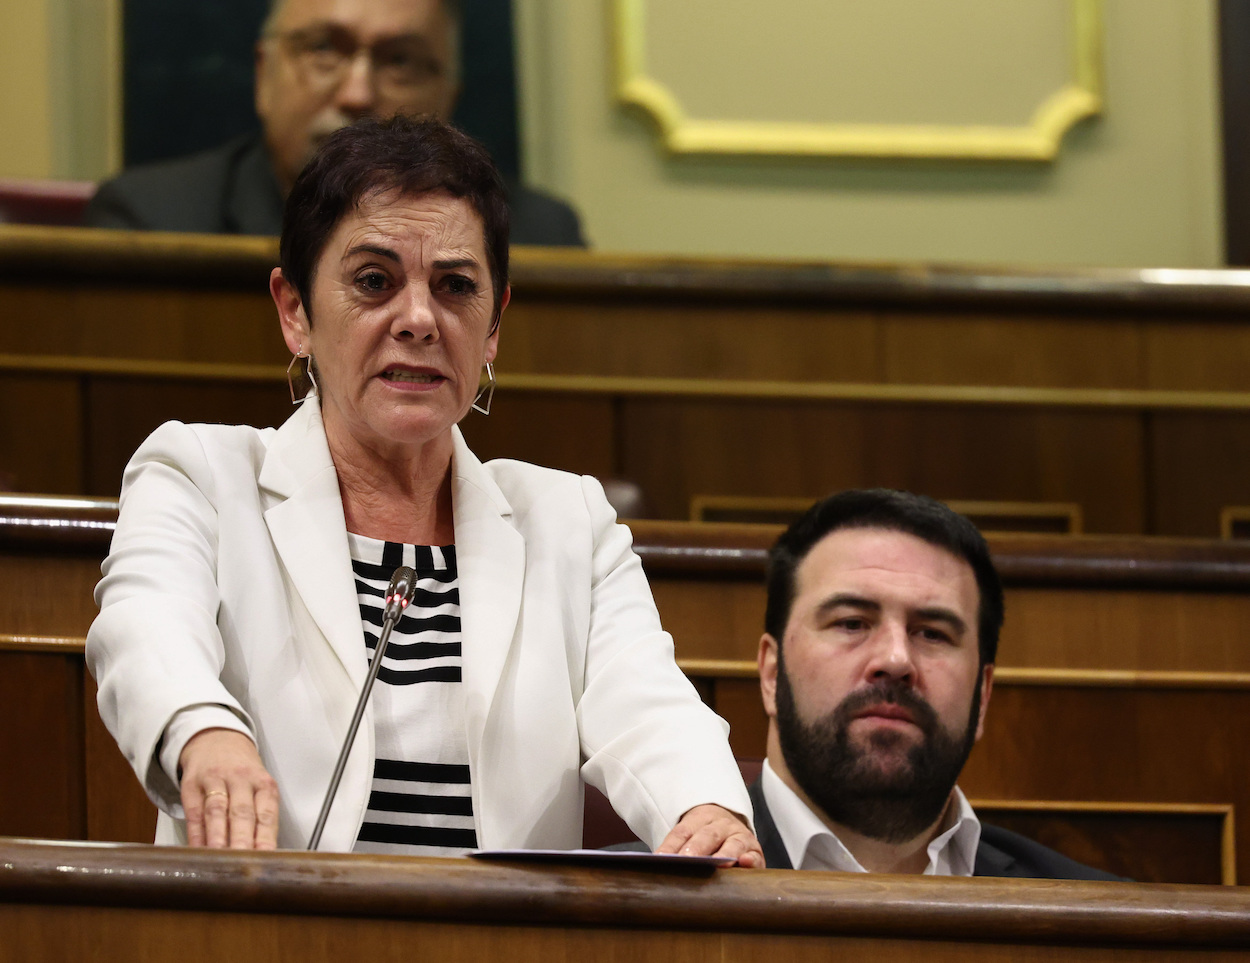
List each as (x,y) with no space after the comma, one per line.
(1038,140)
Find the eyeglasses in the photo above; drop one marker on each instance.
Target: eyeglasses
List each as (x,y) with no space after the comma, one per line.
(325,54)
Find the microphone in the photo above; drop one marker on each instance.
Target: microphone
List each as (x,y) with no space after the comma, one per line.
(398,594)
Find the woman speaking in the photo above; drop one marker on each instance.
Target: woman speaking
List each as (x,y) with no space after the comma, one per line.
(243,592)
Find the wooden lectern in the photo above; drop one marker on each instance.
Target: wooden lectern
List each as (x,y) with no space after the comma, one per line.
(108,902)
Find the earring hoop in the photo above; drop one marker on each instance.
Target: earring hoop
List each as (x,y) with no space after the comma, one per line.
(308,372)
(487,389)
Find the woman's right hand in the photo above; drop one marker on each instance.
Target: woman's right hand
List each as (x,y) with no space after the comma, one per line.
(228,796)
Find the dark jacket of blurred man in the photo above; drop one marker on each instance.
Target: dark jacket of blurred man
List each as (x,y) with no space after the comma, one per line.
(876,667)
(320,64)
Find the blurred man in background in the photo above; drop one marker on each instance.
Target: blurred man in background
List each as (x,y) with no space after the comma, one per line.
(320,64)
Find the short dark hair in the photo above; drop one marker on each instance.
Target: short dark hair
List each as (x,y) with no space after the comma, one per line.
(894,511)
(371,157)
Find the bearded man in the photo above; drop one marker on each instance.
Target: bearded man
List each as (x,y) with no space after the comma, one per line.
(876,669)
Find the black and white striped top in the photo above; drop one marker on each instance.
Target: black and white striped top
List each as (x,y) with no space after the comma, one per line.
(421,804)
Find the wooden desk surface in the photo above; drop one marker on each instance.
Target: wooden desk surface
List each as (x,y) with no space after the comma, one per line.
(62,901)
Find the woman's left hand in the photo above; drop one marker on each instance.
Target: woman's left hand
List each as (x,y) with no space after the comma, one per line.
(711,830)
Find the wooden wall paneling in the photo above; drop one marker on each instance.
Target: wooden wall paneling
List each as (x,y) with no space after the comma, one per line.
(125,936)
(1199,462)
(689,339)
(895,951)
(49,319)
(42,789)
(748,509)
(176,323)
(711,618)
(680,448)
(49,934)
(737,701)
(251,334)
(1011,349)
(64,777)
(1054,518)
(1050,518)
(693,317)
(166,298)
(141,320)
(1158,630)
(1088,456)
(575,433)
(1235,521)
(1197,354)
(123,411)
(1105,744)
(118,810)
(47,593)
(41,433)
(1149,844)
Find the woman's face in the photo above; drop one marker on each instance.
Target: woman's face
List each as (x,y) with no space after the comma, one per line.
(400,319)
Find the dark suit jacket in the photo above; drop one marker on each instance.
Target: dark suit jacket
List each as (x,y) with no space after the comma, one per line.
(232,190)
(1000,853)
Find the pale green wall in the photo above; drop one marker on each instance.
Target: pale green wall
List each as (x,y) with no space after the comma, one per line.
(1138,186)
(26,137)
(60,89)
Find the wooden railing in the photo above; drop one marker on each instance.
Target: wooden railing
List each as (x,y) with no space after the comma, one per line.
(62,902)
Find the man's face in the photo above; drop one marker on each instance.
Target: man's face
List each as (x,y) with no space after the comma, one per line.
(876,695)
(325,63)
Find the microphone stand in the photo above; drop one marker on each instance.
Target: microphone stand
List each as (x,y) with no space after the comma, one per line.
(398,594)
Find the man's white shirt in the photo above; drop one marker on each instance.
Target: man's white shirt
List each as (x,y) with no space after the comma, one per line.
(811,845)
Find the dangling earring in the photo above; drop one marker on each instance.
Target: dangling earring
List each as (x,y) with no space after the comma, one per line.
(487,389)
(290,383)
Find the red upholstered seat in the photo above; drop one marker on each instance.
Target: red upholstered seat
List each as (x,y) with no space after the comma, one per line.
(57,203)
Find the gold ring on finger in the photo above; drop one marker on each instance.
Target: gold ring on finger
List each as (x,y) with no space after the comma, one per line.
(216,792)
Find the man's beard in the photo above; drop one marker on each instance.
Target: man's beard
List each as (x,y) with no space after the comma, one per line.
(892,803)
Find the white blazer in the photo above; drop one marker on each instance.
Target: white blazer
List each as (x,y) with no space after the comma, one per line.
(229,583)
